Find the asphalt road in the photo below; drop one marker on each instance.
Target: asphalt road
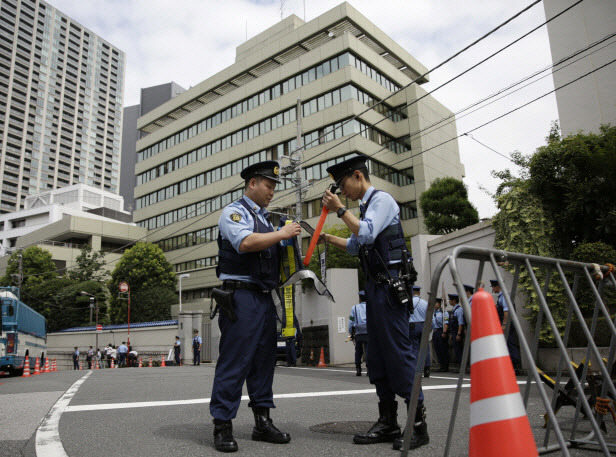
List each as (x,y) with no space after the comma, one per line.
(165,412)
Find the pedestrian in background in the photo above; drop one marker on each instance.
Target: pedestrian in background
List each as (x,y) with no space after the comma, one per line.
(108,350)
(359,331)
(440,333)
(416,326)
(177,346)
(122,352)
(196,347)
(114,356)
(89,357)
(76,359)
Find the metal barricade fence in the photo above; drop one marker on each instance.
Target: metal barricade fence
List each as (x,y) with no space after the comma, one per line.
(552,268)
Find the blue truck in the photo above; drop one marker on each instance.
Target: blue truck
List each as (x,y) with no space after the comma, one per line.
(23,332)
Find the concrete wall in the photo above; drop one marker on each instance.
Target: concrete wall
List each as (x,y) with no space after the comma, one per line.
(591,101)
(317,310)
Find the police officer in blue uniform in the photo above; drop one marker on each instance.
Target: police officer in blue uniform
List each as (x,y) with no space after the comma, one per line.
(470,290)
(249,265)
(513,342)
(457,327)
(359,331)
(378,239)
(196,347)
(440,334)
(416,326)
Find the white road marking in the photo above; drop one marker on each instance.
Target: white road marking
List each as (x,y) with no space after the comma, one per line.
(48,442)
(195,401)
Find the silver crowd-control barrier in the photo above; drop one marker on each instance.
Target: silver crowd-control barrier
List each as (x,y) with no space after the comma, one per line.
(580,275)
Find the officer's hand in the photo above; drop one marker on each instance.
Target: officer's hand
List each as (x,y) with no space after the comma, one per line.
(458,337)
(444,335)
(331,201)
(290,230)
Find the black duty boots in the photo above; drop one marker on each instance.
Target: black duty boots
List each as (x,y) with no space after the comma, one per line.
(386,429)
(264,428)
(427,372)
(358,370)
(223,436)
(420,431)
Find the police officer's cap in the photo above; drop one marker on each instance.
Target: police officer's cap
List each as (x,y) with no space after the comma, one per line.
(493,282)
(346,168)
(416,287)
(439,299)
(468,288)
(362,293)
(195,331)
(268,169)
(453,296)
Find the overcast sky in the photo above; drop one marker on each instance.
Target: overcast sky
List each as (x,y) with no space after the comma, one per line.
(188,41)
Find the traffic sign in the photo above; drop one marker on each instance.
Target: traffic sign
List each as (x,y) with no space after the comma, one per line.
(99,328)
(123,287)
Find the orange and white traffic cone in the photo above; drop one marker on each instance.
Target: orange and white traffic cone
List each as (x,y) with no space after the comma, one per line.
(322,358)
(497,409)
(150,361)
(163,364)
(46,369)
(81,365)
(97,367)
(26,373)
(112,363)
(37,367)
(140,365)
(54,365)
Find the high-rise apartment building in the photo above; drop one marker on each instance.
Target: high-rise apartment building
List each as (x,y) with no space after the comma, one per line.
(339,65)
(60,103)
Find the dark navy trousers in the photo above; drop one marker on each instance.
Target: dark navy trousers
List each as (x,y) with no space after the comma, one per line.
(513,345)
(291,351)
(247,352)
(415,331)
(361,347)
(441,347)
(391,362)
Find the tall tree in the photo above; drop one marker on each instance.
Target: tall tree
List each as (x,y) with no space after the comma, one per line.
(574,178)
(145,268)
(446,208)
(37,267)
(89,265)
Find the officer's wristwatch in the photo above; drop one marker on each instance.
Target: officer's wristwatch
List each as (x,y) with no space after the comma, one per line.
(341,211)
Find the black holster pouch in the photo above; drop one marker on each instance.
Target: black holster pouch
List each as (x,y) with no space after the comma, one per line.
(224,303)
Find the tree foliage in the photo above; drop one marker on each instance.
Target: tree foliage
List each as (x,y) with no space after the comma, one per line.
(145,268)
(89,265)
(37,267)
(559,207)
(575,178)
(62,304)
(446,208)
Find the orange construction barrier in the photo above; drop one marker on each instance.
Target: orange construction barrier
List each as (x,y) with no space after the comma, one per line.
(37,367)
(26,373)
(46,369)
(497,409)
(322,359)
(163,364)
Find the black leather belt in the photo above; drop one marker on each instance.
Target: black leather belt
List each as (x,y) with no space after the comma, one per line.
(229,284)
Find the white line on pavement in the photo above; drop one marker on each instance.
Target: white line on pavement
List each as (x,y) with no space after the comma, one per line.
(48,442)
(145,404)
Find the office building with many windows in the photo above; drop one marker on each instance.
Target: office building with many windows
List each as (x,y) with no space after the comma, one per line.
(338,65)
(60,104)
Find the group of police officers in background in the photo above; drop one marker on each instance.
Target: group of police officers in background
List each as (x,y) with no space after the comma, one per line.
(388,321)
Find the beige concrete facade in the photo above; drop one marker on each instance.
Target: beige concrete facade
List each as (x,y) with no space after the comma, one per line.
(64,238)
(265,62)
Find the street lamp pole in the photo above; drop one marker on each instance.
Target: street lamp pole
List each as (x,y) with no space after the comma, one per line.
(93,299)
(185,275)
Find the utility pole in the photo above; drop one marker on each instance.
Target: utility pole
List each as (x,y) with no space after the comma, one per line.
(296,162)
(21,272)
